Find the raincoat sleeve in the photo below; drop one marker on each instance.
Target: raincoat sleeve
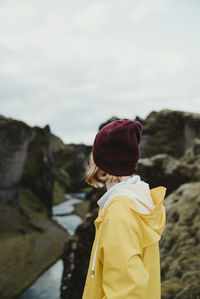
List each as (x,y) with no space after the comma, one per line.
(124,274)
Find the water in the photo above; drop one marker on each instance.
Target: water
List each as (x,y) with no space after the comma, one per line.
(47,285)
(69,222)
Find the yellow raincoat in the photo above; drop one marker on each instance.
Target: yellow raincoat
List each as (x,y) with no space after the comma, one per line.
(125,260)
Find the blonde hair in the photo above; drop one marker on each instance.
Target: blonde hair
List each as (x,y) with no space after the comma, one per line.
(97,177)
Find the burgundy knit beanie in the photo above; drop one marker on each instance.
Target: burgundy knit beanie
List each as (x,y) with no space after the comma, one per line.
(116,147)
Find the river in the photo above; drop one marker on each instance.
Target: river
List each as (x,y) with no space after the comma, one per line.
(47,285)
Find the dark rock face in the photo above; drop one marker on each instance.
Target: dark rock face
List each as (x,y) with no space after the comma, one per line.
(29,240)
(76,170)
(76,253)
(165,170)
(169,132)
(76,259)
(25,161)
(34,158)
(14,139)
(38,172)
(70,161)
(108,121)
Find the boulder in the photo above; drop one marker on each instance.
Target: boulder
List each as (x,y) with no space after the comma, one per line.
(15,137)
(39,166)
(70,160)
(168,131)
(180,244)
(165,170)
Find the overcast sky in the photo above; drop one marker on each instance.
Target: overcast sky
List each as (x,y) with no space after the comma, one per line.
(74,64)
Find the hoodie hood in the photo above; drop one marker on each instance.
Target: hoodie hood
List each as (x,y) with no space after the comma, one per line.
(104,200)
(145,203)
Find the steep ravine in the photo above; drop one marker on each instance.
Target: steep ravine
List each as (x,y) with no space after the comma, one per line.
(36,170)
(47,285)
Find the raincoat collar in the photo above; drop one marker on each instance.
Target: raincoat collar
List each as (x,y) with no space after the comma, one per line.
(132,180)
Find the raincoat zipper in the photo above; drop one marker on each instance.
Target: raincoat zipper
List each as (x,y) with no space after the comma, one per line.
(95,253)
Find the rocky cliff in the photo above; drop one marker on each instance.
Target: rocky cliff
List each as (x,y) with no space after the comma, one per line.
(169,132)
(36,170)
(170,157)
(70,160)
(15,137)
(180,244)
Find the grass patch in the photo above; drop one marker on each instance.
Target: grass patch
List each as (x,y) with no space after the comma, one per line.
(58,193)
(30,243)
(82,208)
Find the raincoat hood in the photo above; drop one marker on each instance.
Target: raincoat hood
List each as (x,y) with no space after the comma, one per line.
(146,203)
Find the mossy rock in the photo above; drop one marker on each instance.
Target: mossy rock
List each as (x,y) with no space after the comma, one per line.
(30,203)
(180,244)
(169,131)
(81,209)
(30,243)
(56,143)
(166,131)
(28,254)
(58,192)
(113,118)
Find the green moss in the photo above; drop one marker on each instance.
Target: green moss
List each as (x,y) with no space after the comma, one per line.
(58,193)
(171,288)
(67,157)
(113,118)
(164,137)
(87,189)
(35,157)
(62,177)
(21,254)
(30,203)
(56,144)
(180,248)
(30,242)
(82,208)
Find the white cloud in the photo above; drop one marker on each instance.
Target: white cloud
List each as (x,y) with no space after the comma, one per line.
(89,19)
(143,9)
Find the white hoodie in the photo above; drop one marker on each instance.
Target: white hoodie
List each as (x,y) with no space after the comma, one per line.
(135,189)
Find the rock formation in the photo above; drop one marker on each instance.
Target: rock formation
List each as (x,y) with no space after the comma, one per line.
(36,170)
(180,244)
(163,169)
(14,139)
(169,132)
(76,252)
(39,166)
(29,185)
(69,171)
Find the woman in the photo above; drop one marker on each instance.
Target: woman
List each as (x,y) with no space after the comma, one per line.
(125,261)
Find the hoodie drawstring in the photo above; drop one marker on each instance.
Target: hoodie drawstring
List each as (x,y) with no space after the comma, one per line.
(95,253)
